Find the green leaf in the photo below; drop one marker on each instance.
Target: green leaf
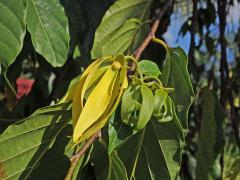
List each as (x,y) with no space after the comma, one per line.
(146,109)
(115,25)
(55,163)
(153,153)
(210,142)
(12,30)
(149,68)
(107,167)
(121,39)
(118,132)
(175,75)
(48,27)
(23,144)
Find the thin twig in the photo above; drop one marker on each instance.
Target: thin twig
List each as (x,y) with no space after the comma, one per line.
(75,158)
(137,54)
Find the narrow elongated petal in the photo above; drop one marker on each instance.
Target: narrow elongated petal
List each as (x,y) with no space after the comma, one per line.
(91,76)
(96,103)
(77,103)
(120,84)
(94,80)
(159,100)
(117,93)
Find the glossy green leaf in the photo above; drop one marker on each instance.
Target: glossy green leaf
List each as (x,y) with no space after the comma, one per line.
(55,162)
(175,75)
(118,132)
(48,27)
(210,142)
(12,30)
(23,144)
(115,26)
(107,167)
(149,68)
(153,153)
(121,39)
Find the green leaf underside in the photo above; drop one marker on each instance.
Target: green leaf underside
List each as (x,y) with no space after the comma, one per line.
(121,39)
(118,24)
(175,75)
(48,27)
(24,143)
(149,68)
(12,30)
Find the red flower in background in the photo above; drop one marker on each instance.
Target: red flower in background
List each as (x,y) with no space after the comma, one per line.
(24,86)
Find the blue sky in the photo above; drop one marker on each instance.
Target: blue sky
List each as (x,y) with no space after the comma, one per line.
(177,19)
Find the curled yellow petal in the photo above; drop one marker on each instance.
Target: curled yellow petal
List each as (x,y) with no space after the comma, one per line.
(77,102)
(120,85)
(96,95)
(96,103)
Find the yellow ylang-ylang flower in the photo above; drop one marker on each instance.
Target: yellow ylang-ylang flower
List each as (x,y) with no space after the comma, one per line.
(96,94)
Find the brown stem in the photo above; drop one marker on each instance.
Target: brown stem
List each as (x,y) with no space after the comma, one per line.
(75,158)
(137,54)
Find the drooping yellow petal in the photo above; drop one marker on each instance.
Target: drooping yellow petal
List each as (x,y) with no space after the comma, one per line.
(94,80)
(77,105)
(120,85)
(91,76)
(117,92)
(96,103)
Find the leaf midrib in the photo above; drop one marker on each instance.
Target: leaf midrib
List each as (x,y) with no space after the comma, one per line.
(45,32)
(165,161)
(137,156)
(38,128)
